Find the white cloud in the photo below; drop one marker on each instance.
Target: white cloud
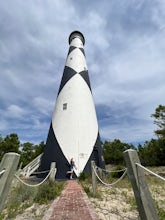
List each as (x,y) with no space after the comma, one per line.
(45,106)
(14,111)
(125,43)
(135,133)
(4,124)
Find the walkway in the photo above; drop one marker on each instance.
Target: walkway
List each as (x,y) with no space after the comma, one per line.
(72,204)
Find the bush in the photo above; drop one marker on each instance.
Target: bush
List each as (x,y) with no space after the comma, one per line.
(87,190)
(83,176)
(17,199)
(48,191)
(23,197)
(117,174)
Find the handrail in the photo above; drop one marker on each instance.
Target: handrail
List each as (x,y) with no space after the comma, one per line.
(32,166)
(33,161)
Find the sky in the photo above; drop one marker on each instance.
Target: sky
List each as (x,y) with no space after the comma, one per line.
(125,54)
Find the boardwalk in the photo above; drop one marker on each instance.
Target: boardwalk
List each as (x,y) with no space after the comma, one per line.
(72,204)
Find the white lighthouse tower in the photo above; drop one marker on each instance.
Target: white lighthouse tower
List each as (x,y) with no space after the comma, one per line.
(74,129)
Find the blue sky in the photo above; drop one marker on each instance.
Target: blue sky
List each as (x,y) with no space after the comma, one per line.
(125,51)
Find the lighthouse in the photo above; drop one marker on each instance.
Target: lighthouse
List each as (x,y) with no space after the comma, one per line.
(73,131)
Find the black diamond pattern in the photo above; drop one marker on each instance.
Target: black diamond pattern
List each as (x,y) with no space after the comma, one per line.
(67,75)
(85,76)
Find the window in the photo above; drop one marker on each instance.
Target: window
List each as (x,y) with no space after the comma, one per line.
(64,106)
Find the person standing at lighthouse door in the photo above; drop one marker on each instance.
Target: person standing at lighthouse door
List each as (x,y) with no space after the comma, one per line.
(71,168)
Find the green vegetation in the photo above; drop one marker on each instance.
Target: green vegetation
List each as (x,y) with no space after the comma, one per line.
(152,153)
(30,151)
(157,189)
(117,174)
(48,191)
(122,194)
(10,143)
(159,120)
(113,151)
(85,181)
(23,197)
(27,150)
(83,176)
(161,213)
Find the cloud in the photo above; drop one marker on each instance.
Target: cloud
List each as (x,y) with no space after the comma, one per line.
(125,43)
(14,111)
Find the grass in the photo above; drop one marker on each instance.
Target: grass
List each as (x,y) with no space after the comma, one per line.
(157,189)
(120,194)
(48,192)
(85,181)
(23,197)
(161,213)
(119,199)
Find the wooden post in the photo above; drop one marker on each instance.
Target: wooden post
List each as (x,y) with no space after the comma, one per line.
(93,178)
(18,172)
(9,163)
(53,172)
(145,204)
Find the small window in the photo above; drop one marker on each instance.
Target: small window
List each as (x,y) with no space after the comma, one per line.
(64,106)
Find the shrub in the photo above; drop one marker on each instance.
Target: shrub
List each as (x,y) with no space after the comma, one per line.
(23,197)
(17,199)
(83,176)
(48,191)
(117,174)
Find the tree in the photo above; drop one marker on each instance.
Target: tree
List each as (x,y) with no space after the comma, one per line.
(159,117)
(152,153)
(39,148)
(27,153)
(10,143)
(113,151)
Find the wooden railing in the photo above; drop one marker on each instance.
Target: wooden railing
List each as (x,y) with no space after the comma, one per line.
(31,167)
